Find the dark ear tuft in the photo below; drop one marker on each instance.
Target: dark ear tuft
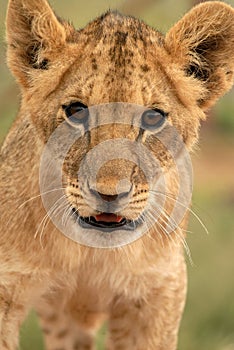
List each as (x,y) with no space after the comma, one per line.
(202,44)
(32,55)
(200,67)
(198,72)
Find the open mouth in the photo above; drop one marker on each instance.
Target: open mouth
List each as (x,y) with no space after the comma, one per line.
(105,222)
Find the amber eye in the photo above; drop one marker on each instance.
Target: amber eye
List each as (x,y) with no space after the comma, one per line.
(77,113)
(153,119)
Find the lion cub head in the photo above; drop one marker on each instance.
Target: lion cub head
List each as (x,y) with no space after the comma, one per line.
(126,98)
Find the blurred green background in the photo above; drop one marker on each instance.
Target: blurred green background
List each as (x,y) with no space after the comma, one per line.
(208,322)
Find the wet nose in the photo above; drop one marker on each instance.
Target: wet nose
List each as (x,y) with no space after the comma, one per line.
(110,191)
(107,197)
(110,197)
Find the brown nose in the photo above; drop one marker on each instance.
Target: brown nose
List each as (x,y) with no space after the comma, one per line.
(110,197)
(107,197)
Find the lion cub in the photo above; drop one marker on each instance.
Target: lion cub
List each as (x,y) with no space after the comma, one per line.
(106,113)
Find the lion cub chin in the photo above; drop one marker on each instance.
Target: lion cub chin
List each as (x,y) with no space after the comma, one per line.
(90,235)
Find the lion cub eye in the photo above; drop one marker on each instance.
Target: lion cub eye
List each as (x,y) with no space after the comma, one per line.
(153,119)
(77,113)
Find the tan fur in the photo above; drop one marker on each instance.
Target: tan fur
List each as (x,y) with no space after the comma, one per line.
(139,288)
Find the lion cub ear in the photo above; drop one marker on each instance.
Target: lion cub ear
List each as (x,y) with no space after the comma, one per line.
(33,32)
(202,43)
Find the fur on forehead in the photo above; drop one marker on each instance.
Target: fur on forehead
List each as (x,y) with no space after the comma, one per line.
(197,53)
(119,27)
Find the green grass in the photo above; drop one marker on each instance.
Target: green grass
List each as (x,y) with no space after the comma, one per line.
(209,314)
(31,335)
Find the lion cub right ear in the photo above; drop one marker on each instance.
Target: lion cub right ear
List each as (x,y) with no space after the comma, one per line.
(33,34)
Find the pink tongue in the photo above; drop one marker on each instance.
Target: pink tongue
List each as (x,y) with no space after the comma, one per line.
(108,218)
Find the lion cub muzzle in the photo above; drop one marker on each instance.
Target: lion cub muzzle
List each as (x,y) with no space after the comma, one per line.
(110,207)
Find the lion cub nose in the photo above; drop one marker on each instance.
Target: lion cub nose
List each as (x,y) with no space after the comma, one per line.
(111,197)
(107,197)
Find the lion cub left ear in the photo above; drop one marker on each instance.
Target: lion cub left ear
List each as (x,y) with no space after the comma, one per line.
(202,44)
(33,32)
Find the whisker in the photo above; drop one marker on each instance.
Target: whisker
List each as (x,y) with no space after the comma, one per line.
(170,219)
(161,226)
(165,217)
(149,216)
(39,195)
(169,196)
(45,220)
(66,214)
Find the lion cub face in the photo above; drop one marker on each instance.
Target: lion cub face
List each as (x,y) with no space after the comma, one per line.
(119,97)
(123,89)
